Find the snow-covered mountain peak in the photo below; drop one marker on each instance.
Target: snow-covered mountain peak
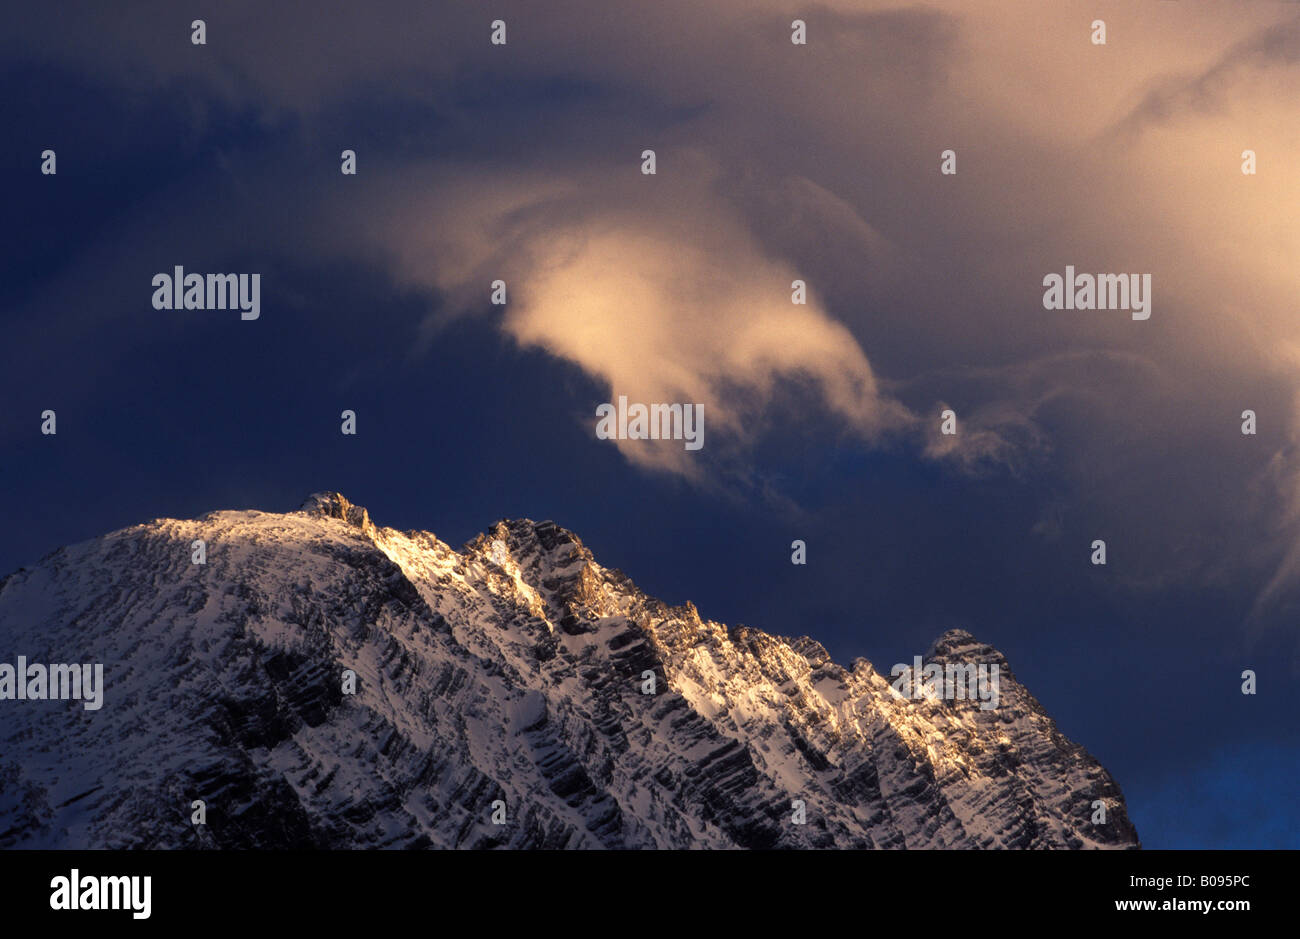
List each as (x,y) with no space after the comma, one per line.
(320,681)
(958,644)
(336,505)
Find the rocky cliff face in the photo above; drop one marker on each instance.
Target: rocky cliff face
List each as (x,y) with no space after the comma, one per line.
(505,680)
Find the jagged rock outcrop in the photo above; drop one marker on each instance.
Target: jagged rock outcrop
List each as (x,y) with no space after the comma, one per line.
(511,672)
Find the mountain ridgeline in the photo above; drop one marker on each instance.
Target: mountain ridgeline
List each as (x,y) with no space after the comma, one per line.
(320,682)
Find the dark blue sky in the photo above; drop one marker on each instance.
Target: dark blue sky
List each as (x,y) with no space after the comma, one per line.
(176,413)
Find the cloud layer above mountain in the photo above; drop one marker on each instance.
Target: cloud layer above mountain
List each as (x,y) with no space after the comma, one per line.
(779,162)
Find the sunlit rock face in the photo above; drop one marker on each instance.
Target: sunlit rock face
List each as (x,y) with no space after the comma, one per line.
(323,682)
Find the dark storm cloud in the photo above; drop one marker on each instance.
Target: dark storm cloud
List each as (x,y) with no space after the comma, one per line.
(779,162)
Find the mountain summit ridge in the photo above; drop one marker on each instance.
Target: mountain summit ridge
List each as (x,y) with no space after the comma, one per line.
(515,680)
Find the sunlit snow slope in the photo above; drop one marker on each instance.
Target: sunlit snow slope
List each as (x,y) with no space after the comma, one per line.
(511,670)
